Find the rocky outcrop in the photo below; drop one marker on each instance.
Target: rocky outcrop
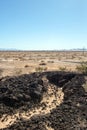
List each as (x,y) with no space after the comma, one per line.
(50,101)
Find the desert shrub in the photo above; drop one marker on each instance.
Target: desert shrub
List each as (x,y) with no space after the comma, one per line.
(73,56)
(82,67)
(39,55)
(45,69)
(62,68)
(50,61)
(42,60)
(21,58)
(18,72)
(1,71)
(40,69)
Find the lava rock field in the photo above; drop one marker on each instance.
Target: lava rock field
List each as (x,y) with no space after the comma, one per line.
(26,93)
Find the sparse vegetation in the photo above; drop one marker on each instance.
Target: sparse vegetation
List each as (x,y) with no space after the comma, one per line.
(1,71)
(50,61)
(82,67)
(40,69)
(18,72)
(62,68)
(28,61)
(73,56)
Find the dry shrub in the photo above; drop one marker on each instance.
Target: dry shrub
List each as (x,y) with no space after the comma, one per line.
(40,69)
(62,68)
(82,67)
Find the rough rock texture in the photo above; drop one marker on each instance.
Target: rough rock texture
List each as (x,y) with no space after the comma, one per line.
(27,91)
(20,92)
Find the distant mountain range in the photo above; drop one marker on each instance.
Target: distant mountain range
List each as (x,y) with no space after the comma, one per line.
(10,49)
(75,49)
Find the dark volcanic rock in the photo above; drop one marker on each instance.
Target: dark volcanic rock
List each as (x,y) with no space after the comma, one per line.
(60,79)
(36,91)
(27,91)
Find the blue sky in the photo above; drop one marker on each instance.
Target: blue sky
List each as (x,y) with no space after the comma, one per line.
(43,24)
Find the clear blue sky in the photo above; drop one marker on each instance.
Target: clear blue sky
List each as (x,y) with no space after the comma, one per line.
(43,24)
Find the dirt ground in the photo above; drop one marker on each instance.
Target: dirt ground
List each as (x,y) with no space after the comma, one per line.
(17,63)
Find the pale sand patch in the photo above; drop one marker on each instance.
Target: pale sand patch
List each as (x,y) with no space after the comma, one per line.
(51,99)
(49,128)
(7,120)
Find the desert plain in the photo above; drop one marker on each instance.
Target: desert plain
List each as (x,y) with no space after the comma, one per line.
(25,62)
(42,90)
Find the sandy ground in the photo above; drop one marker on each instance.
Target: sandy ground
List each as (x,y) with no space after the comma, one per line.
(17,63)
